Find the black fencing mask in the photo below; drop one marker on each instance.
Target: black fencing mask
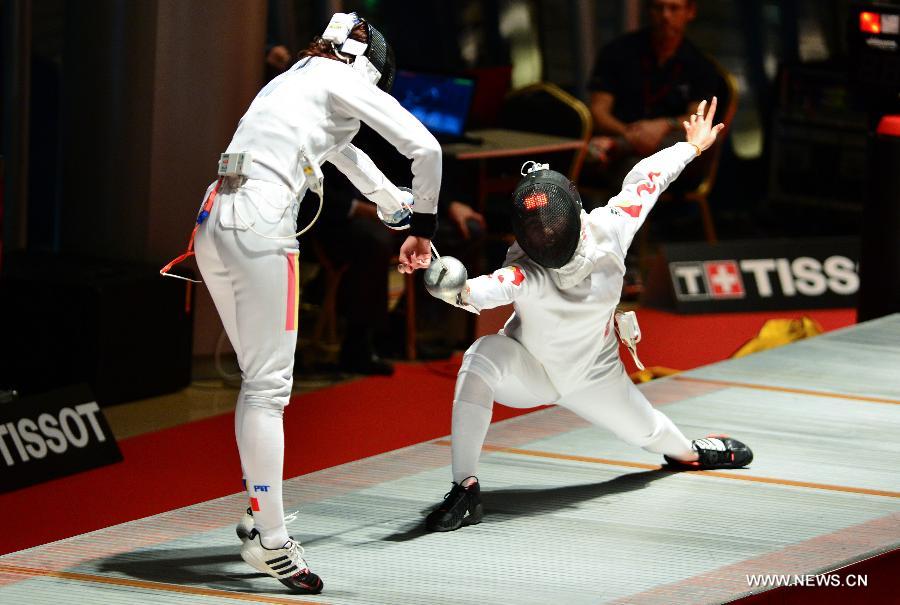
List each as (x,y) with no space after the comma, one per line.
(546,217)
(381,56)
(374,59)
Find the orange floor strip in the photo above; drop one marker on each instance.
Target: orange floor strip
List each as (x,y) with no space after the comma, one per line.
(764,387)
(157,586)
(654,467)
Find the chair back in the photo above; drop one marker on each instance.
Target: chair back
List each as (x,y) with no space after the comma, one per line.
(547,109)
(728,107)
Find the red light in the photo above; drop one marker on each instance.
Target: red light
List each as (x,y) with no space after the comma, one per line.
(870,23)
(536,200)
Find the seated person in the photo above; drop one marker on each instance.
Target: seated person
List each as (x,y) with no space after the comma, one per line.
(461,233)
(644,85)
(349,233)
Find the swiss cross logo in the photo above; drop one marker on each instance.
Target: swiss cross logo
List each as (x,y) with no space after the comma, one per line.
(724,279)
(694,280)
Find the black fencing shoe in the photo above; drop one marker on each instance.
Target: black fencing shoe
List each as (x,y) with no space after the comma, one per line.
(285,563)
(715,451)
(461,506)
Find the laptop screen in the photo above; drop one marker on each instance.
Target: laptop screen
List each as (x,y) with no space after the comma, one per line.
(441,103)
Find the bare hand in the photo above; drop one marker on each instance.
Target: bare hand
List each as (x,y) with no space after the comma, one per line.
(700,130)
(460,213)
(645,136)
(599,148)
(279,57)
(415,253)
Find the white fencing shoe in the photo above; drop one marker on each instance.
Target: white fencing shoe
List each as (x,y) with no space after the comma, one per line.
(286,564)
(245,525)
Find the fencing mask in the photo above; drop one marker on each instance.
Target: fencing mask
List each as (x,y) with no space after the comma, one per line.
(375,60)
(546,216)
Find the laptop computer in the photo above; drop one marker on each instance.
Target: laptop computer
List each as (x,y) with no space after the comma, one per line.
(441,103)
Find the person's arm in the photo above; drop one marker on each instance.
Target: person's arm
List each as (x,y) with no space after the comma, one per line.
(648,136)
(605,122)
(415,252)
(463,216)
(501,287)
(606,79)
(361,100)
(651,176)
(367,178)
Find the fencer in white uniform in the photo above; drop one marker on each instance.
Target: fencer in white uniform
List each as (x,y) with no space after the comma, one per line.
(560,344)
(247,251)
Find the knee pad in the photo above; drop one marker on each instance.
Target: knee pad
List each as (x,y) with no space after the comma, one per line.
(478,360)
(274,404)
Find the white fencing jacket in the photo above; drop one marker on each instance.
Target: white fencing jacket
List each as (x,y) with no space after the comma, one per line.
(564,317)
(316,107)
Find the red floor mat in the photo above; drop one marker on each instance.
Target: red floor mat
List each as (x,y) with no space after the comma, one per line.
(198,461)
(683,342)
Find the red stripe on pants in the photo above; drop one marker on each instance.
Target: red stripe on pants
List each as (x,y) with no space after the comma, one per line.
(290,323)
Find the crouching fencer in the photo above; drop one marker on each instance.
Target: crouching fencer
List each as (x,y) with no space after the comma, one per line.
(564,276)
(247,249)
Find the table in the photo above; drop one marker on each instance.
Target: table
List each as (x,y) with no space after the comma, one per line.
(499,143)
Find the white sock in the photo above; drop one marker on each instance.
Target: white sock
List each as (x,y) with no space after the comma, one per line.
(473,405)
(261,446)
(239,409)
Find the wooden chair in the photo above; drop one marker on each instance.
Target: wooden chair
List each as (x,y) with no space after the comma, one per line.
(542,108)
(548,109)
(700,194)
(325,330)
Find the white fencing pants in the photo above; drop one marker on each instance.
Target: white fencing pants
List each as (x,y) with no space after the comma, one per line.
(498,368)
(254,283)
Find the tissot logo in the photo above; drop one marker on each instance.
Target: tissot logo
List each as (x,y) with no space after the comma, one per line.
(813,273)
(770,277)
(724,279)
(51,435)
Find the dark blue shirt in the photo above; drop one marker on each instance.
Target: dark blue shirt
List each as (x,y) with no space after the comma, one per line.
(643,89)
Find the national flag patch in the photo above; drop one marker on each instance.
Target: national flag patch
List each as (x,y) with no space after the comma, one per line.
(513,272)
(630,208)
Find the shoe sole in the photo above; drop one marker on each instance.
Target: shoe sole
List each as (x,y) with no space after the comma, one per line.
(305,589)
(678,465)
(473,519)
(261,567)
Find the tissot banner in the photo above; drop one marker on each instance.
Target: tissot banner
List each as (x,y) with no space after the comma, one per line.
(764,274)
(51,435)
